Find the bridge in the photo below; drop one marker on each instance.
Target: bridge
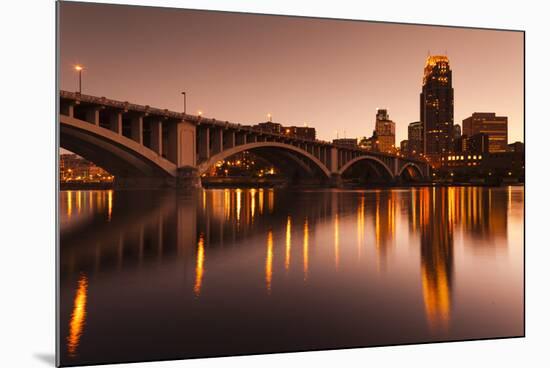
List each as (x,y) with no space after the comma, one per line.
(145,146)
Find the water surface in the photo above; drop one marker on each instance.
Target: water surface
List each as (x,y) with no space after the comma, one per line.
(167,275)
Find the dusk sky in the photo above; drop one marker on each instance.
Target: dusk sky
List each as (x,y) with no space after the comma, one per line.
(329,74)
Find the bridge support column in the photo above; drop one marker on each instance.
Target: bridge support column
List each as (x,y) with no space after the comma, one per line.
(188,178)
(336,180)
(334,162)
(228,139)
(252,138)
(181,148)
(67,109)
(240,138)
(203,142)
(137,129)
(92,115)
(156,136)
(217,140)
(115,122)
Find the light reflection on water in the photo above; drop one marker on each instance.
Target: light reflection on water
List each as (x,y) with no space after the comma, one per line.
(78,316)
(192,270)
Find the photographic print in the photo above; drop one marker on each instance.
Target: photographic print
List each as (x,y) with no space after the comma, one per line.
(234,183)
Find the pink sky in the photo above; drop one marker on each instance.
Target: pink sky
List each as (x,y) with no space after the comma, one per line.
(329,74)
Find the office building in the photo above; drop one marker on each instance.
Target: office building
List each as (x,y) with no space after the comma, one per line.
(496,127)
(385,129)
(437,107)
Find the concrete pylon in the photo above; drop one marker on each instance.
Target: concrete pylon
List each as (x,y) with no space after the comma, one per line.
(336,180)
(188,178)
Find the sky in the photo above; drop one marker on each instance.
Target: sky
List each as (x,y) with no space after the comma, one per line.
(329,74)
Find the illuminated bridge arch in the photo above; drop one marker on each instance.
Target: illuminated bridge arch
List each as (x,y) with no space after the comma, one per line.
(121,156)
(296,155)
(412,165)
(376,160)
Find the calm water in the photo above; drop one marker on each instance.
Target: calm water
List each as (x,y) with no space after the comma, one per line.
(158,275)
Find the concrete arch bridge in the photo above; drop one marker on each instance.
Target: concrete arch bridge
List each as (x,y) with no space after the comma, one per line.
(151,147)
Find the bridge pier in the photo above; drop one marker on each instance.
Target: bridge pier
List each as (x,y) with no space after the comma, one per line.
(335,181)
(188,178)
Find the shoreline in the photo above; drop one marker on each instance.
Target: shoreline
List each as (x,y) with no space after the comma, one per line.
(110,186)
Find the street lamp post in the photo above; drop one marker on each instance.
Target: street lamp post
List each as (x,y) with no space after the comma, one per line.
(79,69)
(184,102)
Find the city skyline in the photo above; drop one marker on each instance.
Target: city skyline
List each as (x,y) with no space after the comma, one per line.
(239,76)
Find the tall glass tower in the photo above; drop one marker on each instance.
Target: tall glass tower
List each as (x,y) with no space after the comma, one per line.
(437,106)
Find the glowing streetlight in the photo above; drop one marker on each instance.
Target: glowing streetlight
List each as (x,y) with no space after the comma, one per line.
(199,113)
(79,69)
(269,116)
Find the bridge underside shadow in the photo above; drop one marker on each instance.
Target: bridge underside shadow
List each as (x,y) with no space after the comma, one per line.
(367,172)
(295,167)
(410,174)
(297,164)
(130,167)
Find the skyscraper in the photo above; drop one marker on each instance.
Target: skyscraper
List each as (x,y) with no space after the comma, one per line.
(437,106)
(457,131)
(416,137)
(496,127)
(382,114)
(457,138)
(385,129)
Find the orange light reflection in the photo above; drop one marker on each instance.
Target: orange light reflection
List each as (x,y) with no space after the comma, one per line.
(78,316)
(199,268)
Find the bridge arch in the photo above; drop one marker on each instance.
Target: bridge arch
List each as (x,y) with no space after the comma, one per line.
(350,163)
(412,165)
(121,156)
(258,147)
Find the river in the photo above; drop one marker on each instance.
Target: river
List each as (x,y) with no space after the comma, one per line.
(167,275)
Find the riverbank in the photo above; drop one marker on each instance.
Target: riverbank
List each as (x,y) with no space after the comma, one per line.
(283,183)
(86,186)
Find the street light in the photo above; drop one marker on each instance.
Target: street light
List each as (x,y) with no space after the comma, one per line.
(184,102)
(269,117)
(79,69)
